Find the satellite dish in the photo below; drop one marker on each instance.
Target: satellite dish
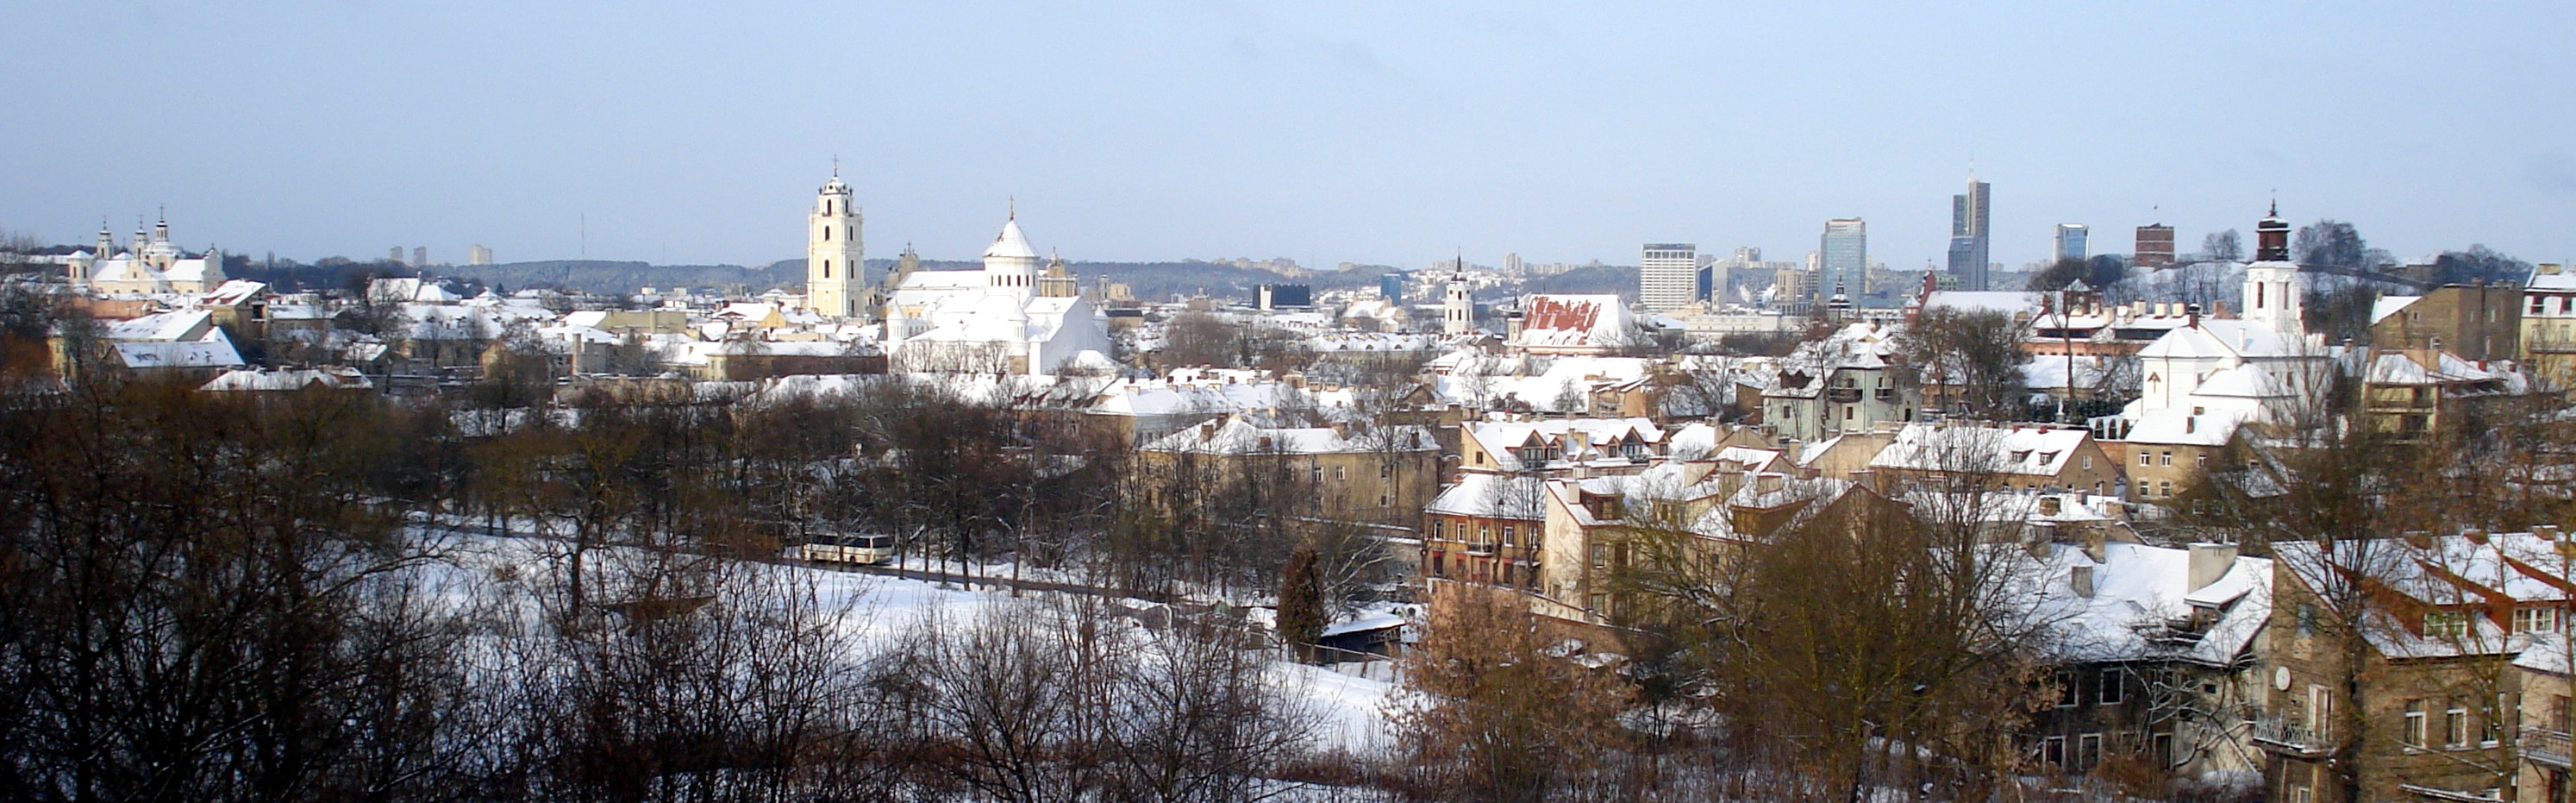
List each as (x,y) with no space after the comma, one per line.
(2281,678)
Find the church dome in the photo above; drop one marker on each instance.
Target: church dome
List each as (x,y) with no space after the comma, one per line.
(1012,243)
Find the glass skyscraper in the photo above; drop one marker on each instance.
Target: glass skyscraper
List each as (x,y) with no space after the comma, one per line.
(1969,234)
(1845,264)
(2070,242)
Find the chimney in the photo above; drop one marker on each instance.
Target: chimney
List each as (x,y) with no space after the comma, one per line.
(2549,268)
(1207,429)
(2210,562)
(2050,505)
(2081,577)
(1576,441)
(2096,546)
(2190,424)
(2194,312)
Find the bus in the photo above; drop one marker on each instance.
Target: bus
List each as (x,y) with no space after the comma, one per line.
(845,549)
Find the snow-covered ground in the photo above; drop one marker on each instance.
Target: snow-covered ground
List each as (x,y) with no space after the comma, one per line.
(1350,711)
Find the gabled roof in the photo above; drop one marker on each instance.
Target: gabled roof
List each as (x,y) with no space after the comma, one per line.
(1577,321)
(2027,451)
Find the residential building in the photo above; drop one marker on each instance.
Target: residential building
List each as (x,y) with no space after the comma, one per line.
(2154,655)
(1667,275)
(1366,474)
(1840,384)
(2548,337)
(2395,660)
(2477,322)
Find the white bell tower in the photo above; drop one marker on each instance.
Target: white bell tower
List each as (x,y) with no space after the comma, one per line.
(834,253)
(1457,304)
(2272,284)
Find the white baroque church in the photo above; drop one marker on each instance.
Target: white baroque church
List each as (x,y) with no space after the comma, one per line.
(151,263)
(1008,318)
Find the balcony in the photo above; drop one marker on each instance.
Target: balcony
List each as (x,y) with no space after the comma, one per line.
(1843,395)
(2280,735)
(2545,746)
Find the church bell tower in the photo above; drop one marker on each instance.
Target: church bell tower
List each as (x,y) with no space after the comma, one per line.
(834,253)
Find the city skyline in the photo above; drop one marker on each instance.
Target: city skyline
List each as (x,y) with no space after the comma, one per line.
(1385,136)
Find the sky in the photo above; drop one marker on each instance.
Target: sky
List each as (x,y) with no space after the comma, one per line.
(1392,133)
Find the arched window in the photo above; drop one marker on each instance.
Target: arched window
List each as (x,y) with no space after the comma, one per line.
(2258,295)
(827,232)
(827,269)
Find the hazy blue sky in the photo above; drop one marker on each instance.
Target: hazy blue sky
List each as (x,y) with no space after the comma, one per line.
(1387,132)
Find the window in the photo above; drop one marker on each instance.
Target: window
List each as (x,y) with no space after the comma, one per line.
(827,269)
(2307,620)
(2446,623)
(1507,534)
(2053,751)
(2110,687)
(1385,471)
(2066,690)
(2536,301)
(1337,473)
(1600,557)
(827,230)
(2491,722)
(2455,724)
(2145,459)
(2535,619)
(2088,751)
(2166,459)
(2088,462)
(1439,564)
(2415,723)
(1318,473)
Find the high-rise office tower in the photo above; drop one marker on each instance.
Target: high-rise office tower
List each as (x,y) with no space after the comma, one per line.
(1968,234)
(1512,263)
(480,254)
(1390,286)
(1845,258)
(2155,246)
(1668,276)
(2070,242)
(420,255)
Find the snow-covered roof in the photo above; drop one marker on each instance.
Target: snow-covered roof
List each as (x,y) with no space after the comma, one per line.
(1577,321)
(1489,495)
(163,326)
(2141,605)
(2180,427)
(2390,305)
(1011,242)
(338,377)
(2248,381)
(2221,339)
(2029,451)
(1602,437)
(216,351)
(1237,436)
(2008,302)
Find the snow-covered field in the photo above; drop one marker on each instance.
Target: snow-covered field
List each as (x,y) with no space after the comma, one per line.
(1349,710)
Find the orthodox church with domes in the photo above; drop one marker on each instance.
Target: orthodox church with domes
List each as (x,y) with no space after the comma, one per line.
(1008,317)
